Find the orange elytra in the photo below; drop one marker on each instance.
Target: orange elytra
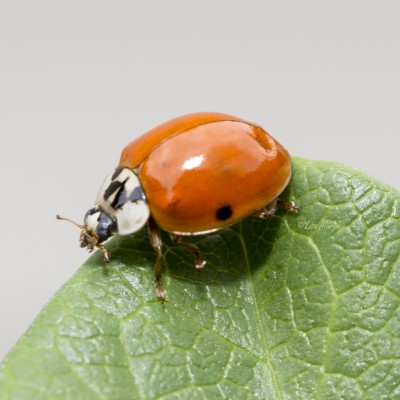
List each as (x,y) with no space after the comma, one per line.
(191,175)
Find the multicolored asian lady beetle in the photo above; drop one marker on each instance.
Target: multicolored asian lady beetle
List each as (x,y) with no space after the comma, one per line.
(195,174)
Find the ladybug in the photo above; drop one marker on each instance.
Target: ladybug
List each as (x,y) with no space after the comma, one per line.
(192,175)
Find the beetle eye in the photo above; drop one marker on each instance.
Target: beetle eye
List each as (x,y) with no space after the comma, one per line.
(106,227)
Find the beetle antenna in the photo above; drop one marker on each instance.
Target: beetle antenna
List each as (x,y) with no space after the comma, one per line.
(69,220)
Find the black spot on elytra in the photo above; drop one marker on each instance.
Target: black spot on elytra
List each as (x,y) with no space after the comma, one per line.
(224,213)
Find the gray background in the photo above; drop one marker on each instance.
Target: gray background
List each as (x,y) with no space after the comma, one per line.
(81,79)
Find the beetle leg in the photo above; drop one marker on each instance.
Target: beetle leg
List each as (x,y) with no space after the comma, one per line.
(200,262)
(271,208)
(156,242)
(288,205)
(106,258)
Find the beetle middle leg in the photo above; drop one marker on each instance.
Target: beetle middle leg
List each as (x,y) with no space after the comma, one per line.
(156,242)
(200,262)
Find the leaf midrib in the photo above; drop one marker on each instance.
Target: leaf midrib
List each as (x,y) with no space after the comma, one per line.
(266,361)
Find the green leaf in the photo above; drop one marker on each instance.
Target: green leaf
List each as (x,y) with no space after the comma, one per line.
(296,306)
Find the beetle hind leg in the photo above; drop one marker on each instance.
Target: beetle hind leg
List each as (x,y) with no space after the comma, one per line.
(200,262)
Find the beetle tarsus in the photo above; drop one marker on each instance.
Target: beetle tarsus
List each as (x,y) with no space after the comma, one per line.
(160,291)
(106,258)
(199,260)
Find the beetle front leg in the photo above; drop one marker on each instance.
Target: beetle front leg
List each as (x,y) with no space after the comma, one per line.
(200,262)
(156,242)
